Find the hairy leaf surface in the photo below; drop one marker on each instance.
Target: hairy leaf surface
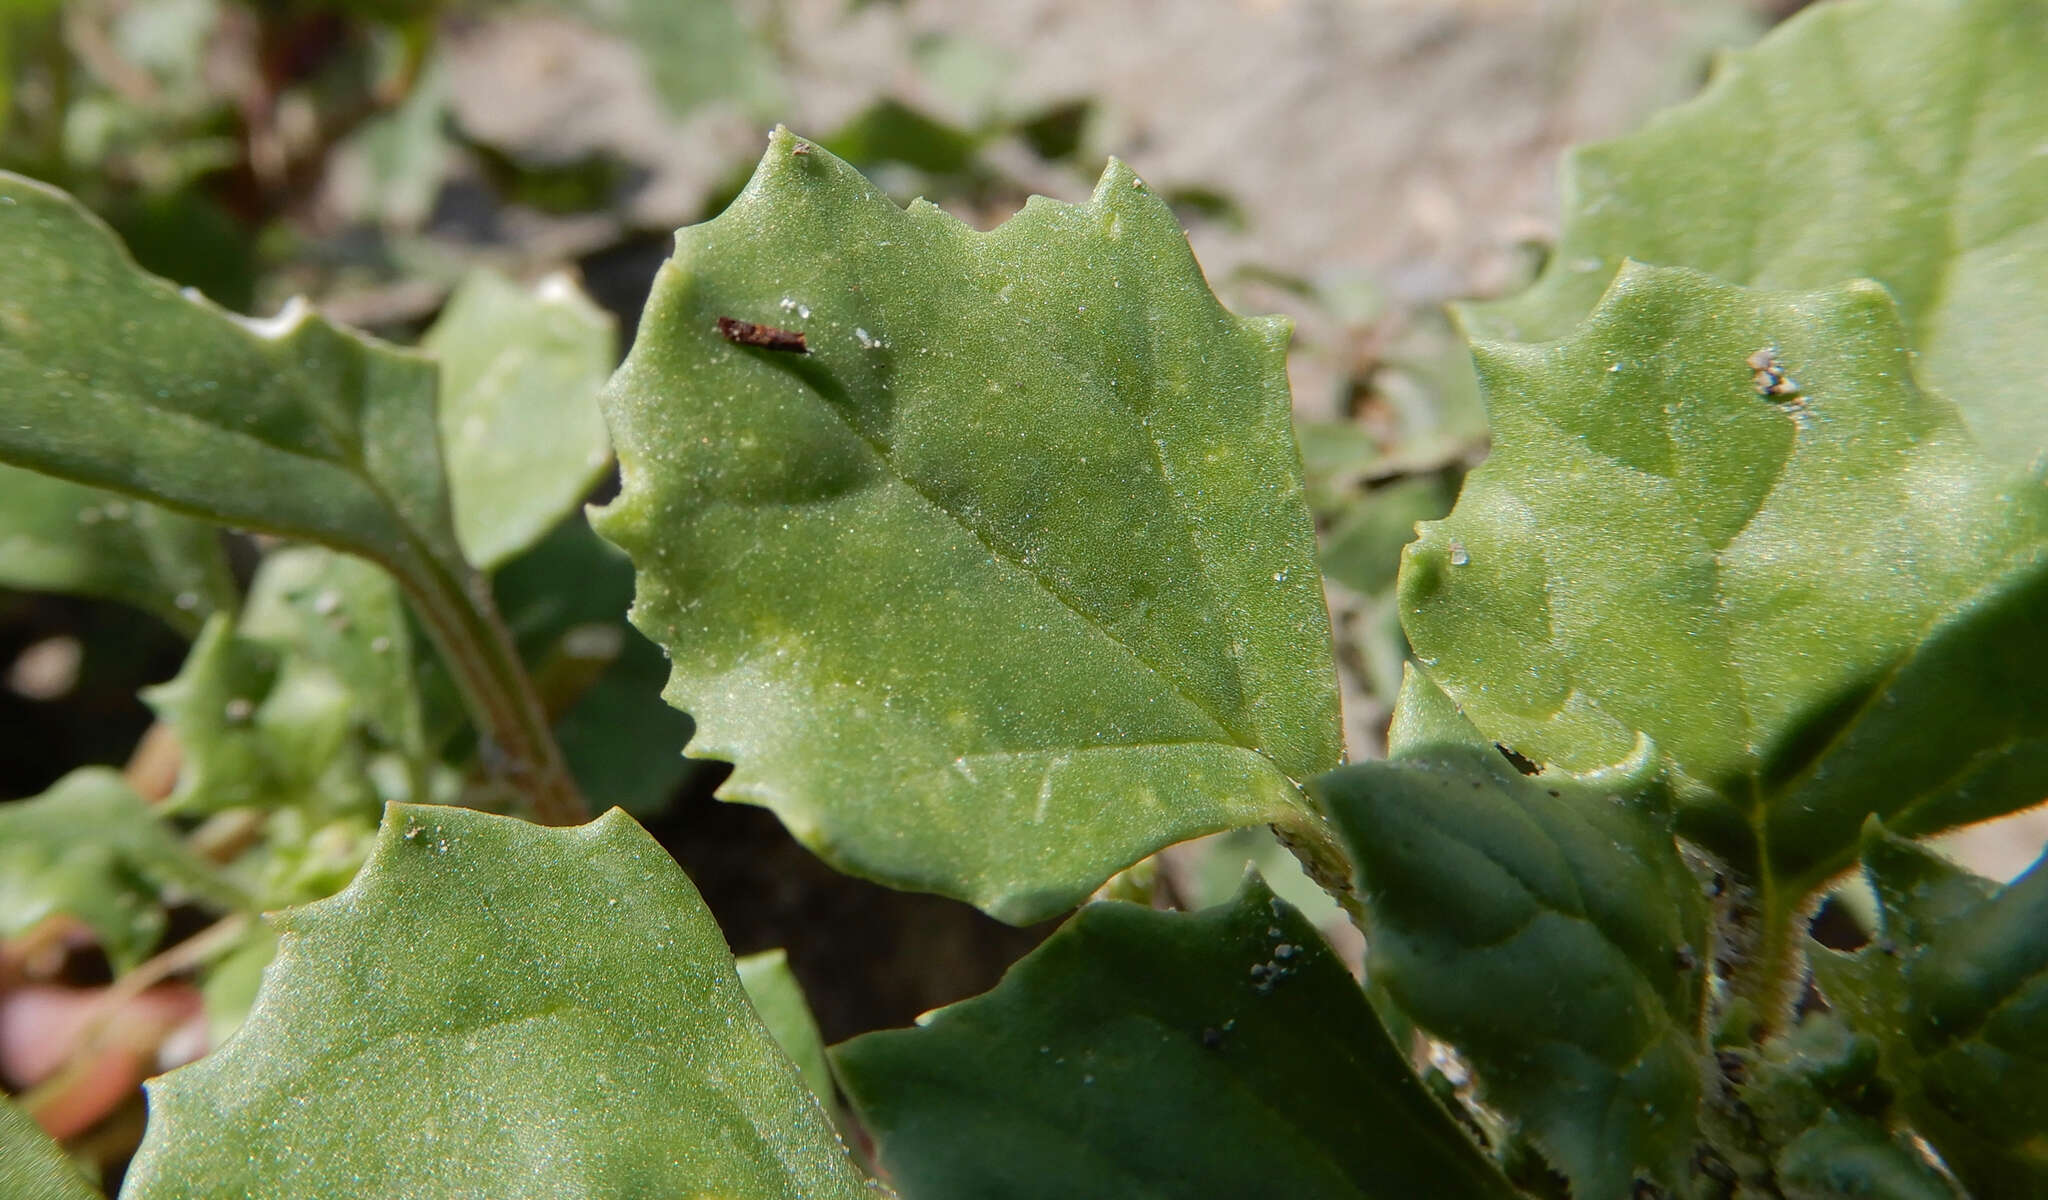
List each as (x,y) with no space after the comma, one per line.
(496,1008)
(32,1165)
(1006,580)
(1816,607)
(1545,926)
(524,440)
(1897,140)
(91,849)
(1956,991)
(60,536)
(1142,1053)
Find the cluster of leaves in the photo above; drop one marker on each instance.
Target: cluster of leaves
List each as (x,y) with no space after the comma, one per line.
(1005,580)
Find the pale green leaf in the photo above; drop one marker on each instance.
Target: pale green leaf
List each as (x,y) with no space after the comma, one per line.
(59,536)
(697,52)
(1007,581)
(1956,991)
(520,372)
(1897,140)
(779,1000)
(347,616)
(496,1009)
(1545,926)
(91,849)
(1142,1053)
(32,1165)
(305,709)
(1817,608)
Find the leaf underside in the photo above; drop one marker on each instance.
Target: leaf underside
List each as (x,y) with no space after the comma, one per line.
(1220,1053)
(1007,580)
(118,380)
(498,1009)
(60,536)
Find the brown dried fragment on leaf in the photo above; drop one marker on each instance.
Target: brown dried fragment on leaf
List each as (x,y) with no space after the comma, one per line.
(764,337)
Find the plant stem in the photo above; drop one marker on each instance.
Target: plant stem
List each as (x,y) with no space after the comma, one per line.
(1767,974)
(464,621)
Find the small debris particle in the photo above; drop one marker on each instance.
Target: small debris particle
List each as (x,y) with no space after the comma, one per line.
(1684,959)
(801,148)
(327,602)
(1459,555)
(1770,378)
(239,710)
(1520,761)
(764,337)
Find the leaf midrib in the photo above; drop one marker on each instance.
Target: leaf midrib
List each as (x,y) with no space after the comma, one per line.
(1230,735)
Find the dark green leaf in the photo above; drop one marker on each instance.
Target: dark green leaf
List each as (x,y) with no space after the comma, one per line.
(1956,990)
(1817,607)
(1142,1053)
(59,536)
(90,848)
(1896,140)
(497,1009)
(1545,926)
(1007,581)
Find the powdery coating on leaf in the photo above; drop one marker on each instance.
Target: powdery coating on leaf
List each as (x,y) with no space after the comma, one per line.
(496,1009)
(1899,140)
(1814,609)
(1005,583)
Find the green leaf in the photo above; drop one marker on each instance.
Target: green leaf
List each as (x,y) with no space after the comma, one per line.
(779,1001)
(524,440)
(565,601)
(1545,926)
(1956,991)
(697,51)
(252,734)
(92,849)
(1816,1097)
(1220,1053)
(290,425)
(1008,581)
(1816,608)
(1362,550)
(554,1013)
(59,536)
(32,1165)
(1897,140)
